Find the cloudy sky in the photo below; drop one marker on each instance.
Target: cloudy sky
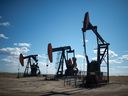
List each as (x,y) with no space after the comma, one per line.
(27,26)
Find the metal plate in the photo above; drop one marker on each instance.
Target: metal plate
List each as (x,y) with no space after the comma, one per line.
(86,22)
(50,52)
(21,59)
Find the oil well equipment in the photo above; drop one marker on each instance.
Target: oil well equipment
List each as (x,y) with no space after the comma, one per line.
(70,64)
(94,74)
(32,68)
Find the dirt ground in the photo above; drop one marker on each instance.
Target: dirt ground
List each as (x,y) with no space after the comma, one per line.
(37,86)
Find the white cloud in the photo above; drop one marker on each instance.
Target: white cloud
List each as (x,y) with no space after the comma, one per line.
(41,63)
(80,56)
(13,51)
(2,36)
(95,51)
(10,55)
(124,57)
(22,44)
(111,53)
(119,60)
(5,23)
(42,56)
(94,58)
(115,61)
(10,60)
(86,41)
(0,17)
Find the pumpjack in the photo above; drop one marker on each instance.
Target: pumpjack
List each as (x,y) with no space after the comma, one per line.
(94,74)
(35,71)
(71,67)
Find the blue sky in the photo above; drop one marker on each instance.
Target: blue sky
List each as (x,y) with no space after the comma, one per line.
(27,26)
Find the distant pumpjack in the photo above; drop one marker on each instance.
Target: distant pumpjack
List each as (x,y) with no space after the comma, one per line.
(94,74)
(60,70)
(34,67)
